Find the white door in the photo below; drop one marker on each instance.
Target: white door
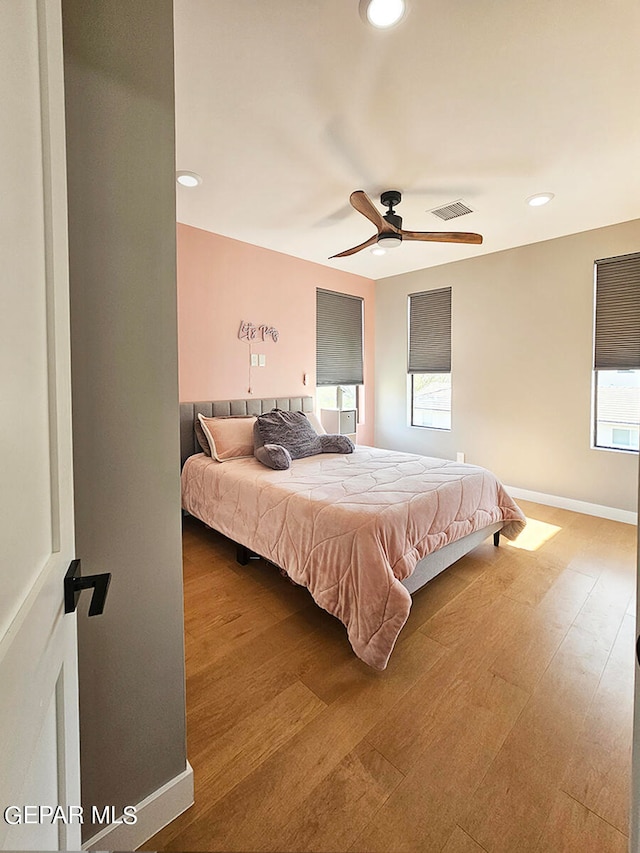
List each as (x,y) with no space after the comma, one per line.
(39,743)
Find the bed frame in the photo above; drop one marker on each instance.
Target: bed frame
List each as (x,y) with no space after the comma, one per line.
(426,569)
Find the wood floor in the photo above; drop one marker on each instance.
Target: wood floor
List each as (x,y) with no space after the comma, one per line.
(502,723)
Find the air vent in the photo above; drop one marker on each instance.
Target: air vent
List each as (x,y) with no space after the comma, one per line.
(451,211)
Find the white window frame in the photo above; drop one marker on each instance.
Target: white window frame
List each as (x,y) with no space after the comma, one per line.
(618,283)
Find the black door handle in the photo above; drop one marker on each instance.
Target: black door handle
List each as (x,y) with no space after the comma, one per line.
(74,583)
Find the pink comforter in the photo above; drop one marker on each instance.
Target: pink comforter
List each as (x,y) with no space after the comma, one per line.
(350,527)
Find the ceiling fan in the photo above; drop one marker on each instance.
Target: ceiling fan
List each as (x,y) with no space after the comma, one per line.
(390,232)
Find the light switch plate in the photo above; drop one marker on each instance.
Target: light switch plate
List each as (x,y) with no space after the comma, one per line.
(262,360)
(254,359)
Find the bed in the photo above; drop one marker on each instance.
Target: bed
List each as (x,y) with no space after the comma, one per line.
(362,531)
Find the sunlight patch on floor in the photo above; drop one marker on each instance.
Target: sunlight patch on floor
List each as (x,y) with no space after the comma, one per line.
(535,534)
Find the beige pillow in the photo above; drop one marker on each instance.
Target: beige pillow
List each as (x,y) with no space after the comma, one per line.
(229,438)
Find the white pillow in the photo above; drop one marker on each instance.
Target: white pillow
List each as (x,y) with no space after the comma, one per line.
(314,420)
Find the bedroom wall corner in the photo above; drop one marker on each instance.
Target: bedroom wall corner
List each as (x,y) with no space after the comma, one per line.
(522,356)
(222,281)
(121,180)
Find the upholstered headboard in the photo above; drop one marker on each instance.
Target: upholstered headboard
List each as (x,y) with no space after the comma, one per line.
(224,408)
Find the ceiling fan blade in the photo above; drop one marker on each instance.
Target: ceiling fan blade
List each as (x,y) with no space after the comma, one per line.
(355,249)
(443,236)
(363,204)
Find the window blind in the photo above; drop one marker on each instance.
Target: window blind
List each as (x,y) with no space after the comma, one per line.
(338,339)
(430,331)
(617,336)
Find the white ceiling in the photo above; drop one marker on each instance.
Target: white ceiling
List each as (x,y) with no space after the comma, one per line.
(286,106)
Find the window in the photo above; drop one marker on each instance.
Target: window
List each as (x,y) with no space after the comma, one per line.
(617,353)
(617,422)
(430,358)
(339,353)
(621,437)
(337,396)
(431,400)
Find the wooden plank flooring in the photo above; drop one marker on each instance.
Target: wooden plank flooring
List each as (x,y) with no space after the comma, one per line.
(503,722)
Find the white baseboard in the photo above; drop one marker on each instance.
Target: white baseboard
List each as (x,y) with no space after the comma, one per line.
(153,813)
(610,512)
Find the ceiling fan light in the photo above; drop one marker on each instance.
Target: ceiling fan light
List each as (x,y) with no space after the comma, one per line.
(385,13)
(539,199)
(389,241)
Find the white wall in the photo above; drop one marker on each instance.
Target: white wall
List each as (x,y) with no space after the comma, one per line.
(522,329)
(122,238)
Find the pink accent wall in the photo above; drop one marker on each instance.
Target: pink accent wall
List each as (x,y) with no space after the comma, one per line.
(223,281)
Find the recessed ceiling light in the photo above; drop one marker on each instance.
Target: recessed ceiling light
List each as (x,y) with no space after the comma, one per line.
(378,250)
(383,13)
(539,199)
(188,179)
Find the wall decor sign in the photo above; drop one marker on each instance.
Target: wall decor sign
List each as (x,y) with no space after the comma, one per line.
(249,332)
